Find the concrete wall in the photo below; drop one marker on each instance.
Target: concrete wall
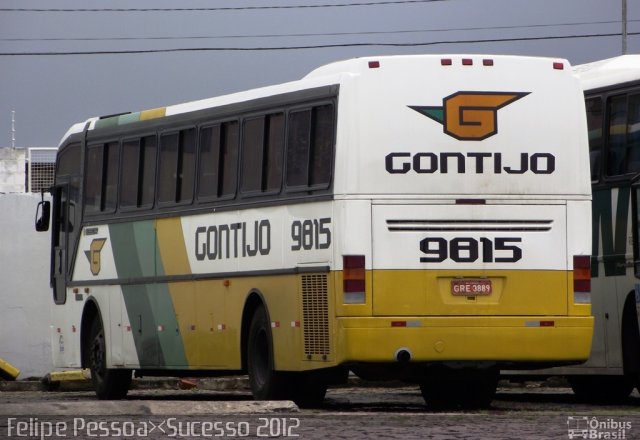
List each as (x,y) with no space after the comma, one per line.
(12,172)
(25,295)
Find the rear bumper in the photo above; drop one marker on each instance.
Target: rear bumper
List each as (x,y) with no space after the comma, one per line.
(443,339)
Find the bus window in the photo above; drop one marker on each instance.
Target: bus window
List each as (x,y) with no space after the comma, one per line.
(209,162)
(594,124)
(101,178)
(310,147)
(633,134)
(263,144)
(253,149)
(110,190)
(93,186)
(177,166)
(217,163)
(229,159)
(617,135)
(138,172)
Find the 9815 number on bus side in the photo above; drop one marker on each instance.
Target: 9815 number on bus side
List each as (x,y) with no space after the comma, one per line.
(311,234)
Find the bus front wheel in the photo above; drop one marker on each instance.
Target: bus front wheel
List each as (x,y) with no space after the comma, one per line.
(109,384)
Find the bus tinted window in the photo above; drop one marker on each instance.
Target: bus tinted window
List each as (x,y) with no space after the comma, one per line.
(138,172)
(310,147)
(209,161)
(93,185)
(187,165)
(130,166)
(262,154)
(229,159)
(633,134)
(272,178)
(167,174)
(298,148)
(111,164)
(177,166)
(147,179)
(218,160)
(253,149)
(322,153)
(623,154)
(594,125)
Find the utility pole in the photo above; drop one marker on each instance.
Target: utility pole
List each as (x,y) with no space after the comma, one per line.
(624,27)
(13,129)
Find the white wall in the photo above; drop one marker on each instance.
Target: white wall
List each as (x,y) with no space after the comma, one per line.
(25,295)
(12,172)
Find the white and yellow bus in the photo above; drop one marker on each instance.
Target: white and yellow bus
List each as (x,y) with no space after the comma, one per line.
(425,218)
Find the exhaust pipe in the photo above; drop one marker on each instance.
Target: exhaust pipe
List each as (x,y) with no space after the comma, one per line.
(403,355)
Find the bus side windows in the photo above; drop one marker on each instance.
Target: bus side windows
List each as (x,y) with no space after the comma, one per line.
(623,131)
(594,127)
(137,187)
(217,173)
(263,145)
(310,148)
(102,178)
(176,174)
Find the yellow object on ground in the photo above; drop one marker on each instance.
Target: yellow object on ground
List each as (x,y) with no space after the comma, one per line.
(70,375)
(8,371)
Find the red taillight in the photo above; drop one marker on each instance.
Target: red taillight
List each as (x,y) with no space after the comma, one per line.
(446,62)
(558,65)
(467,62)
(582,273)
(353,279)
(374,64)
(487,62)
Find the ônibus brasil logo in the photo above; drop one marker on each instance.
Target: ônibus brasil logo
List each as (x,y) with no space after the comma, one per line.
(470,116)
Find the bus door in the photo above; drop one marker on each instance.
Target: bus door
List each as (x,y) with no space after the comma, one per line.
(60,233)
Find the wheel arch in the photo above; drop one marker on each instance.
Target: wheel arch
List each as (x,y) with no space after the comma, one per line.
(255,299)
(90,312)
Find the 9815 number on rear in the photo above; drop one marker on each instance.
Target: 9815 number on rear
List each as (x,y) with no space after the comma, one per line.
(469,250)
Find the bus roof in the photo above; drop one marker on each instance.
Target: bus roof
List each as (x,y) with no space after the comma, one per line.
(617,70)
(323,75)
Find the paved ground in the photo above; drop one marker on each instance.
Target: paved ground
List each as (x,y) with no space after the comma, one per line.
(349,413)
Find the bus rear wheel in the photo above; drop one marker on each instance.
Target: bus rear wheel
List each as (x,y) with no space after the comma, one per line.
(265,382)
(601,389)
(445,388)
(109,384)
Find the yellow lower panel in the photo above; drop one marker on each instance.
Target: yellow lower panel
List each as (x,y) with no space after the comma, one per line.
(429,292)
(512,339)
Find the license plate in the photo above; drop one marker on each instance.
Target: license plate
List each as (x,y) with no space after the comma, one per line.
(471,287)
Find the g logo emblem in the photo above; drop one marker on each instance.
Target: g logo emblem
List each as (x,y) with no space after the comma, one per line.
(93,254)
(470,116)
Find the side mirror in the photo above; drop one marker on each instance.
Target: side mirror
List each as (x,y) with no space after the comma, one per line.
(43,214)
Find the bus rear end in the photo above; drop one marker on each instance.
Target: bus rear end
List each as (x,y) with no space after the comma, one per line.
(463,194)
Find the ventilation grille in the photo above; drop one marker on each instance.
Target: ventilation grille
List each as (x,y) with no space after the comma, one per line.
(315,314)
(470,225)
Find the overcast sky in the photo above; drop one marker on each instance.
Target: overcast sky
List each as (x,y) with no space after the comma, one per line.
(51,92)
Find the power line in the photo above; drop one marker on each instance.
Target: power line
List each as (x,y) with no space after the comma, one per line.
(322,46)
(223,8)
(320,34)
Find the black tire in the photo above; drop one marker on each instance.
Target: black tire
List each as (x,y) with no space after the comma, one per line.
(601,389)
(109,384)
(265,382)
(445,389)
(307,389)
